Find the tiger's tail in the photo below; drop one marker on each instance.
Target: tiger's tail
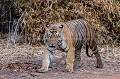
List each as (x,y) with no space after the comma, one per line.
(87,51)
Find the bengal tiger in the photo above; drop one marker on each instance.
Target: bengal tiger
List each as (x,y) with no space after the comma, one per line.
(69,36)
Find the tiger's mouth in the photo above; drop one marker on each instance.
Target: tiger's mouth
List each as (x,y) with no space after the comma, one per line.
(52,45)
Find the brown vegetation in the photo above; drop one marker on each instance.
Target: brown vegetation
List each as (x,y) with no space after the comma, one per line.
(23,21)
(104,15)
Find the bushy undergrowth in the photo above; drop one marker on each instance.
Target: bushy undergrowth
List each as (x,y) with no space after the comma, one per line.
(104,15)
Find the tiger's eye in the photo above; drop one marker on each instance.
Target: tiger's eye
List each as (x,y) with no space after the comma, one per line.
(58,35)
(55,31)
(50,31)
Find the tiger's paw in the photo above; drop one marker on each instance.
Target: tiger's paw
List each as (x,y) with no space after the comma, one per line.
(42,70)
(99,66)
(70,70)
(77,64)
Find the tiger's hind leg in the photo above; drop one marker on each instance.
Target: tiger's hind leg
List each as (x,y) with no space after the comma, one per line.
(77,57)
(95,51)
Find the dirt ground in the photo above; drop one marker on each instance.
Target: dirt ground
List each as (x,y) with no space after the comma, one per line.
(21,62)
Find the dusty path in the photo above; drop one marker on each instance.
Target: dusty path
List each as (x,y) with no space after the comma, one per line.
(86,71)
(22,61)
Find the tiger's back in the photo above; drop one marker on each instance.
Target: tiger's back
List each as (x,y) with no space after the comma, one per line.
(81,31)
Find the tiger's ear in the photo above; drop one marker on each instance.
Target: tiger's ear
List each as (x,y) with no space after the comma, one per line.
(47,25)
(61,26)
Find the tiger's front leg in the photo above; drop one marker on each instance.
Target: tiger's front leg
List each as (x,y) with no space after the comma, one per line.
(47,57)
(70,55)
(70,60)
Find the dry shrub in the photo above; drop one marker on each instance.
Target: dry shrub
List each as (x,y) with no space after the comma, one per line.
(104,15)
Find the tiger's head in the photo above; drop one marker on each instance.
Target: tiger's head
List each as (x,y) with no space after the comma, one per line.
(53,35)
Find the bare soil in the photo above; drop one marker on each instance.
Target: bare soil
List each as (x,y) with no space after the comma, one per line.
(21,62)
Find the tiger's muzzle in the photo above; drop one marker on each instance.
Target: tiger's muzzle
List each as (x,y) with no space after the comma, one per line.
(52,45)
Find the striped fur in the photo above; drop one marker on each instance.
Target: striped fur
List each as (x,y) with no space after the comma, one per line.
(69,36)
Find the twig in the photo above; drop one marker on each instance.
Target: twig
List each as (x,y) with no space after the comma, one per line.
(13,32)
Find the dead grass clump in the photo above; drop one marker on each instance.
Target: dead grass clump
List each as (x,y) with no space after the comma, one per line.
(104,15)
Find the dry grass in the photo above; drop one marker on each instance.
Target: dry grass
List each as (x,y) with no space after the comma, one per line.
(104,15)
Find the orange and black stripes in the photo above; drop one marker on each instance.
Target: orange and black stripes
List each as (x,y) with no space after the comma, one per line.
(83,33)
(69,36)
